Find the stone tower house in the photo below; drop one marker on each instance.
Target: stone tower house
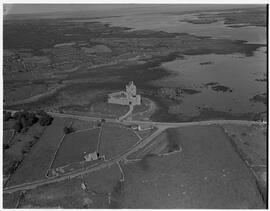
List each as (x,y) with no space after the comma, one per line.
(131,90)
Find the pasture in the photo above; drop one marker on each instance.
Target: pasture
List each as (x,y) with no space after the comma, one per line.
(207,173)
(75,146)
(115,140)
(69,193)
(37,161)
(66,194)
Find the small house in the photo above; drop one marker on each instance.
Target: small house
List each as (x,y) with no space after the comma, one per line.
(91,156)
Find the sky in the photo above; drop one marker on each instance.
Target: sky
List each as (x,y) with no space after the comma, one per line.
(44,8)
(51,8)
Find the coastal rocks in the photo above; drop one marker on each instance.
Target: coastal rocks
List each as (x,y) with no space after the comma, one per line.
(217,87)
(175,93)
(206,63)
(260,98)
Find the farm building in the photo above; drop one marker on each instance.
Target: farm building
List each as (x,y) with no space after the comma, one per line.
(91,156)
(129,97)
(141,127)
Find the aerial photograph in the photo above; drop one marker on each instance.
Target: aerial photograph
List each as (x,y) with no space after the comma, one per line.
(135,106)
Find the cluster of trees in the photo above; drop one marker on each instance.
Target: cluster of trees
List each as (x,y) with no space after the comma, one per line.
(10,165)
(68,130)
(44,118)
(6,115)
(101,122)
(25,119)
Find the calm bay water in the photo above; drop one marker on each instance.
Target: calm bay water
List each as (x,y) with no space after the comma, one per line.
(235,71)
(172,23)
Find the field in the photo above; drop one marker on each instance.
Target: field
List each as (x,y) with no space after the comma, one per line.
(7,125)
(251,144)
(207,173)
(16,146)
(109,110)
(115,140)
(7,135)
(36,163)
(104,180)
(251,140)
(82,125)
(75,146)
(166,142)
(145,133)
(156,146)
(23,92)
(10,200)
(69,194)
(144,111)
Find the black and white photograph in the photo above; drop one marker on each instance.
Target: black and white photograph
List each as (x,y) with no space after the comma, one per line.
(134,105)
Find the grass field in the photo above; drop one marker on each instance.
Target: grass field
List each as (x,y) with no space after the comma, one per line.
(24,92)
(10,200)
(107,109)
(145,133)
(207,173)
(251,144)
(104,180)
(115,140)
(18,146)
(140,108)
(166,142)
(36,163)
(75,146)
(251,140)
(157,146)
(82,125)
(67,194)
(7,134)
(145,110)
(7,125)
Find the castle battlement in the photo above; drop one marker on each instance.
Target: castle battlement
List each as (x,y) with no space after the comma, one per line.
(129,97)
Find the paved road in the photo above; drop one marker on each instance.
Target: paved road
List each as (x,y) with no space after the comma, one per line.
(164,124)
(160,125)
